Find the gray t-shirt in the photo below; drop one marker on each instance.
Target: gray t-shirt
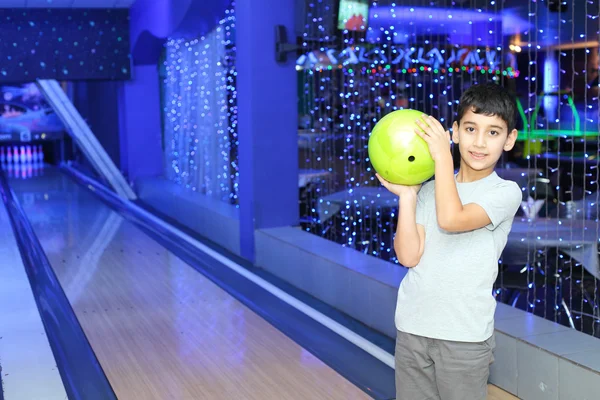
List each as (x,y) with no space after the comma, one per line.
(448,295)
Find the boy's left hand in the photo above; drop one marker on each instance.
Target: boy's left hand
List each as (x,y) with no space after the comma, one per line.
(437,138)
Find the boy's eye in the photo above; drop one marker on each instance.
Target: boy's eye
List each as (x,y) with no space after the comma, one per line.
(493,133)
(470,129)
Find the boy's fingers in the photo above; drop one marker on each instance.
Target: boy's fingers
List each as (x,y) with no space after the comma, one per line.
(436,123)
(433,124)
(421,124)
(422,134)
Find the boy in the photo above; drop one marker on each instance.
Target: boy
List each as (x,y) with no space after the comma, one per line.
(450,235)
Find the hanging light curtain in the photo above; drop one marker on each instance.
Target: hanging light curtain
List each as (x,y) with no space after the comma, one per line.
(197,114)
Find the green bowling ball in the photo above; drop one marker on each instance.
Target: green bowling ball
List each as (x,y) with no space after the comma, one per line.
(397,153)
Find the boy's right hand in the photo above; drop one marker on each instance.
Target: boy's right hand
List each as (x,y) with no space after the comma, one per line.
(398,190)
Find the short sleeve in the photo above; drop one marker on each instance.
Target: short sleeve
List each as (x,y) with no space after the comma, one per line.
(423,198)
(501,202)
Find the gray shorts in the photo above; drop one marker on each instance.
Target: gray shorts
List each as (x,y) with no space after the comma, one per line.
(432,369)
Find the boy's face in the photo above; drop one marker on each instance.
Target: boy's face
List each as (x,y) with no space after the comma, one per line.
(481,139)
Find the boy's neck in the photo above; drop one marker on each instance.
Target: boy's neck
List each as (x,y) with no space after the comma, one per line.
(466,174)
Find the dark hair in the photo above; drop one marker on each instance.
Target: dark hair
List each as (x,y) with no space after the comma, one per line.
(489,99)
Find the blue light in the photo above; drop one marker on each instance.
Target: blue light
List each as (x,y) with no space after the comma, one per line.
(200,124)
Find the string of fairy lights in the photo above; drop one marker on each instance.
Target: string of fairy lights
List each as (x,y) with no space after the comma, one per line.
(349,78)
(563,287)
(596,98)
(200,112)
(348,84)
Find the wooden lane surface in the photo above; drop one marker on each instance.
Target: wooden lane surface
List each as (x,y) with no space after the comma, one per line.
(158,327)
(25,352)
(495,393)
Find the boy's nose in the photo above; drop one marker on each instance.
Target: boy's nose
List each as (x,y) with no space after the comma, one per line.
(480,140)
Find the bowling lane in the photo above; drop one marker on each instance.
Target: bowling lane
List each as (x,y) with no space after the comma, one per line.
(158,327)
(25,353)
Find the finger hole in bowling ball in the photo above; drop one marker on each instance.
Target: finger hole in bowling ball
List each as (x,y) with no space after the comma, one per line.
(411,158)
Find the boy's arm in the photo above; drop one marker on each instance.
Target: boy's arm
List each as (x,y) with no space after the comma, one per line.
(409,241)
(452,216)
(493,207)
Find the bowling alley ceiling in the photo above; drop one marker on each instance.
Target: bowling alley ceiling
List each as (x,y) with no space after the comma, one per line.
(66,3)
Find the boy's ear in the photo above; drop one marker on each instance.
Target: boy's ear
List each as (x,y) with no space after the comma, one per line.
(455,132)
(510,140)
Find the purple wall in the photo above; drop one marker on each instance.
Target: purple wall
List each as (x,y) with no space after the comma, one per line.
(140,124)
(267,112)
(96,102)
